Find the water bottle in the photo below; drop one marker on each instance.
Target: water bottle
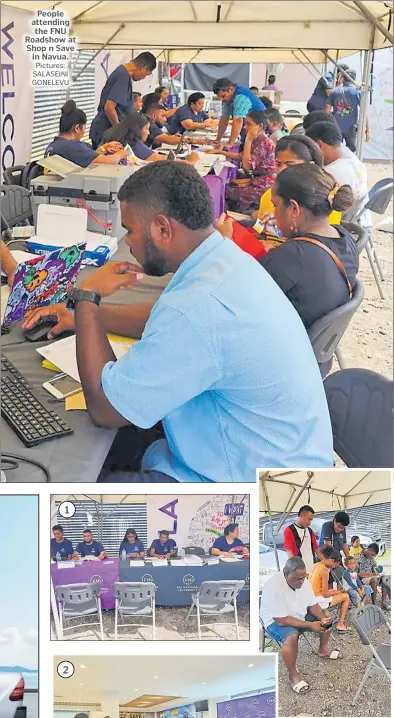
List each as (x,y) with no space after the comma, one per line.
(58,556)
(124,555)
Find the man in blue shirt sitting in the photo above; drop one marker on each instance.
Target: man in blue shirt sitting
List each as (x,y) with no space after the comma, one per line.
(344,102)
(60,545)
(224,360)
(229,544)
(191,116)
(163,547)
(237,102)
(89,547)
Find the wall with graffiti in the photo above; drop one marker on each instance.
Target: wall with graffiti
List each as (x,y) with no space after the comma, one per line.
(197,520)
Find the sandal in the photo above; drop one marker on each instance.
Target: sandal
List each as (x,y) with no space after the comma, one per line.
(298,687)
(342,630)
(334,656)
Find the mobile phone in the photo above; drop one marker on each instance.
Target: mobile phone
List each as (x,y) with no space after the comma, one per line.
(327,626)
(61,386)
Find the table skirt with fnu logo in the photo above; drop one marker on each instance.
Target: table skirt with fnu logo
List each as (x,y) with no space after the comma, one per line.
(175,585)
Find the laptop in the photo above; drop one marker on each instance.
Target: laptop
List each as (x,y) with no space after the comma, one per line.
(44,280)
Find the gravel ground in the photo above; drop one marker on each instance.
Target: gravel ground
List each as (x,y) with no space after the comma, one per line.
(170,626)
(367,342)
(334,683)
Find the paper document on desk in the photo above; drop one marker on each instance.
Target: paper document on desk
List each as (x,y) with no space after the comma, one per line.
(229,560)
(133,562)
(63,354)
(159,562)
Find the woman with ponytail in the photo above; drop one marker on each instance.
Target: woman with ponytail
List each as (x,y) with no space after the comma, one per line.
(68,143)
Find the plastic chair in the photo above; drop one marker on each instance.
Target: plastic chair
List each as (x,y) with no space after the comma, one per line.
(326,333)
(359,233)
(15,204)
(194,551)
(379,198)
(366,620)
(79,600)
(361,409)
(135,599)
(12,175)
(216,598)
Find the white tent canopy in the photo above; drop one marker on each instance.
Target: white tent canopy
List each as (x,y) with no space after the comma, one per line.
(332,490)
(228,31)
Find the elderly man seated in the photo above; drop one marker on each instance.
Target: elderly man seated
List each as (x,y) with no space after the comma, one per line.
(288,608)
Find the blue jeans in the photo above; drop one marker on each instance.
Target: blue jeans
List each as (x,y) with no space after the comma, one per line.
(355,596)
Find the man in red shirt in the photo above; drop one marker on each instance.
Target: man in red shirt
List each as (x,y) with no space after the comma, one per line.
(299,539)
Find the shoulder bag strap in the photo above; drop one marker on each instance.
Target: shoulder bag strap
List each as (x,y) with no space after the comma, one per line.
(333,256)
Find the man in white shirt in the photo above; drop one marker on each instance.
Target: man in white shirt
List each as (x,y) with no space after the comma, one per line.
(341,162)
(288,608)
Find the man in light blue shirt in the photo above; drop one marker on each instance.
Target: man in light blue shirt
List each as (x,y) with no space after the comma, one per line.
(224,360)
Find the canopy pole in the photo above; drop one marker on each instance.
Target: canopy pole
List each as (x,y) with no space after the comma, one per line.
(374,20)
(295,499)
(121,27)
(337,66)
(267,501)
(306,66)
(362,120)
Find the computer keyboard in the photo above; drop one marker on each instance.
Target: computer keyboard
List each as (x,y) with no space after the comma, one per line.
(31,421)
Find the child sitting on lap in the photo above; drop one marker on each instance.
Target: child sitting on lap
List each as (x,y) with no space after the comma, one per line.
(356,590)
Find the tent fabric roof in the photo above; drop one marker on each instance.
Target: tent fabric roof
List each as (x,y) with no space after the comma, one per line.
(336,489)
(246,31)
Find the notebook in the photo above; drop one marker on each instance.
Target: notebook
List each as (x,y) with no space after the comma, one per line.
(44,280)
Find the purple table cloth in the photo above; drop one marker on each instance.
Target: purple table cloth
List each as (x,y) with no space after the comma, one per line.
(103,572)
(217,186)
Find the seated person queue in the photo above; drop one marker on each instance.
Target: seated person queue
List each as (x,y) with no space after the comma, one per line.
(224,412)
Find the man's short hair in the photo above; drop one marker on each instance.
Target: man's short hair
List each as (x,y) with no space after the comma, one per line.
(274,115)
(330,552)
(305,510)
(87,531)
(154,107)
(266,102)
(352,74)
(145,59)
(254,88)
(58,528)
(354,538)
(317,116)
(195,97)
(230,528)
(326,132)
(174,189)
(222,84)
(295,563)
(271,79)
(164,533)
(374,547)
(342,518)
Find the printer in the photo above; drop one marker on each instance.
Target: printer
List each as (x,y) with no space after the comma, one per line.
(95,188)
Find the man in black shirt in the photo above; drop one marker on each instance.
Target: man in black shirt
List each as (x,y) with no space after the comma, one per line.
(333,533)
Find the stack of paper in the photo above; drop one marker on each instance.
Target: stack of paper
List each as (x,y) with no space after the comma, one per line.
(66,564)
(134,562)
(228,559)
(159,562)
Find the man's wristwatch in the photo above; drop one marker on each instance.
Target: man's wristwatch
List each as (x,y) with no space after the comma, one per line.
(82,295)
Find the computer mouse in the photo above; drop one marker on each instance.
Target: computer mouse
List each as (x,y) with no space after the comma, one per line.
(39,333)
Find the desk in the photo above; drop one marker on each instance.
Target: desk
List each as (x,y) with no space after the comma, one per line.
(174,584)
(104,572)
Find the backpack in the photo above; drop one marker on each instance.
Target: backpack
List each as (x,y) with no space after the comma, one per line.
(297,539)
(31,171)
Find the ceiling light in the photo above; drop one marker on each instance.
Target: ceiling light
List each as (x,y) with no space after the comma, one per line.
(136,690)
(250,665)
(82,666)
(81,684)
(154,676)
(204,684)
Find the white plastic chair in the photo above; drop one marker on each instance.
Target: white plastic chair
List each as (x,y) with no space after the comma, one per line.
(135,600)
(366,620)
(77,601)
(216,598)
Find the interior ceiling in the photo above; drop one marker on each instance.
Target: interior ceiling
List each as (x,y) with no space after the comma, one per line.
(147,701)
(256,31)
(188,678)
(330,490)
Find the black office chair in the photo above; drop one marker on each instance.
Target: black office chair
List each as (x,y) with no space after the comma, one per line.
(194,551)
(326,333)
(12,175)
(361,409)
(15,204)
